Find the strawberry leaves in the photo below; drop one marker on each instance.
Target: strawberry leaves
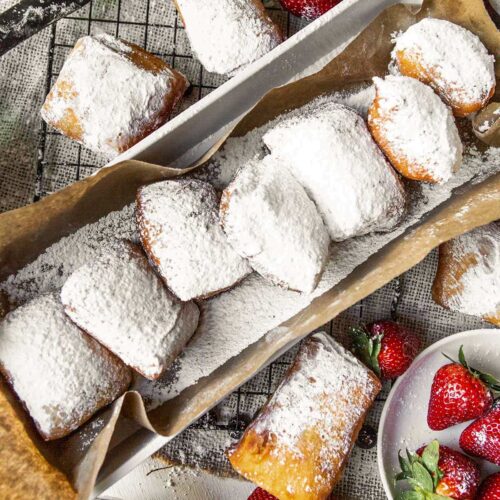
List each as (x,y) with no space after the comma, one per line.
(489,380)
(421,472)
(367,348)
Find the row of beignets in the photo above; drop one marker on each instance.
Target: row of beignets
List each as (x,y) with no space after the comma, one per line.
(110,94)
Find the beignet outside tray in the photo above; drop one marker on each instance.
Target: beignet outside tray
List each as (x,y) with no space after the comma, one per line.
(27,232)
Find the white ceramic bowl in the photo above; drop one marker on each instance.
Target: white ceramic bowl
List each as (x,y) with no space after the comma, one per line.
(403,423)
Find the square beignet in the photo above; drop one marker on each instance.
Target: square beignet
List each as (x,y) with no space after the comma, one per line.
(180,231)
(61,375)
(110,94)
(122,303)
(298,445)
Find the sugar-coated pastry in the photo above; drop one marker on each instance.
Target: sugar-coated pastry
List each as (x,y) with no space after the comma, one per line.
(180,231)
(61,375)
(468,274)
(329,150)
(449,58)
(415,129)
(122,303)
(299,444)
(110,94)
(227,35)
(269,219)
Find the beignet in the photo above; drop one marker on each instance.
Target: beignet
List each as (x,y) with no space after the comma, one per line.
(180,231)
(449,58)
(299,444)
(122,303)
(468,274)
(61,375)
(110,94)
(415,129)
(269,219)
(227,35)
(329,150)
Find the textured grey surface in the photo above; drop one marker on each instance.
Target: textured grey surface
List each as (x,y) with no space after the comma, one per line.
(36,161)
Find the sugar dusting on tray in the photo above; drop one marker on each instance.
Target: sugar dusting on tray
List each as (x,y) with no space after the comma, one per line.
(238,318)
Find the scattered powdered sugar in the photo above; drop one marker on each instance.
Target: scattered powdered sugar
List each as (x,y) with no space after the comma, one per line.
(180,230)
(455,60)
(478,288)
(122,303)
(416,127)
(329,150)
(227,35)
(53,267)
(111,99)
(312,416)
(70,376)
(270,220)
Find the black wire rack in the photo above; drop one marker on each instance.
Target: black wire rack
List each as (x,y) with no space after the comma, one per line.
(154,25)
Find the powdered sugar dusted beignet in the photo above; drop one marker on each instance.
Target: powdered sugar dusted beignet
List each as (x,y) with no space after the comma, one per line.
(61,375)
(329,150)
(122,303)
(298,445)
(468,275)
(180,230)
(449,58)
(110,94)
(415,129)
(269,219)
(227,35)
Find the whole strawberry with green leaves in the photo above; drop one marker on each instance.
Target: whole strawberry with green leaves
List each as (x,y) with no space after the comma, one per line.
(386,347)
(459,393)
(437,471)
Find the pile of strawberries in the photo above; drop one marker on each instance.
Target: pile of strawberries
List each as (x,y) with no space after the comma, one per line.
(459,394)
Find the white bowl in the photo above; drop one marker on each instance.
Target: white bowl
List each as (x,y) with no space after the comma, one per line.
(403,423)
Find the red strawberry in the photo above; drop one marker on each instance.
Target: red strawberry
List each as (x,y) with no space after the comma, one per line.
(310,9)
(260,494)
(441,471)
(490,488)
(386,347)
(482,437)
(459,393)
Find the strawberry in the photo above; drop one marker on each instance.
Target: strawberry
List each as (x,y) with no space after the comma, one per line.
(459,393)
(490,488)
(437,471)
(260,494)
(482,437)
(309,9)
(386,347)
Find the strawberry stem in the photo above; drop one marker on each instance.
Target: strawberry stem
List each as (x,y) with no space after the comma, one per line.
(489,380)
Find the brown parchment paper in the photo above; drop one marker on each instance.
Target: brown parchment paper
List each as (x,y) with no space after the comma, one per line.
(26,232)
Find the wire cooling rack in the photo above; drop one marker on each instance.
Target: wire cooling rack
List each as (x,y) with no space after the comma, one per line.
(154,25)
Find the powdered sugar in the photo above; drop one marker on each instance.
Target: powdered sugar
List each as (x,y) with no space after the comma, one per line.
(455,60)
(328,149)
(181,233)
(416,127)
(120,301)
(227,35)
(53,267)
(477,290)
(270,220)
(61,375)
(110,101)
